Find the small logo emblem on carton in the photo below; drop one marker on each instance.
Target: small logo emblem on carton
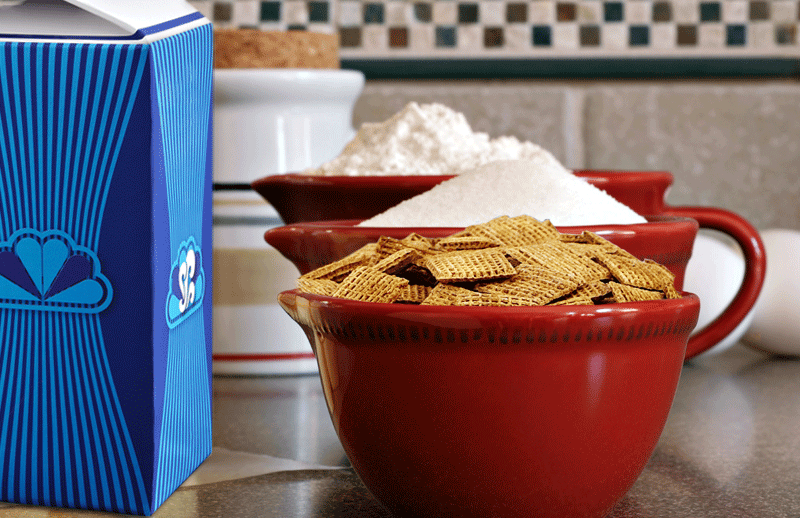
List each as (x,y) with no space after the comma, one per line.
(187,284)
(48,271)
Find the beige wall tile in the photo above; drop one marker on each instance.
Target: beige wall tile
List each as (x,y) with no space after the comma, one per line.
(729,145)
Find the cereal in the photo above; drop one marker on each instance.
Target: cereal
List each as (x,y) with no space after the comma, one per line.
(369,285)
(561,258)
(397,261)
(453,244)
(540,285)
(338,270)
(624,293)
(504,262)
(414,294)
(446,295)
(317,286)
(472,265)
(493,299)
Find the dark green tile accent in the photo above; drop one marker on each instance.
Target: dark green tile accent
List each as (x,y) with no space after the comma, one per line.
(613,11)
(736,35)
(446,36)
(318,12)
(710,12)
(270,12)
(468,13)
(639,35)
(542,36)
(373,13)
(423,12)
(617,68)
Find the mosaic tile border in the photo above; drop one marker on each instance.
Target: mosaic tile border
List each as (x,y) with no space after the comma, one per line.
(376,32)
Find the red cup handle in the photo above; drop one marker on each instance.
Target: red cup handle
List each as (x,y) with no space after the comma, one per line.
(755,267)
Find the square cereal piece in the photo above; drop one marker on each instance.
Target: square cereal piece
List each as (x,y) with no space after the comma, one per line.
(593,290)
(517,231)
(338,270)
(624,293)
(445,295)
(641,274)
(493,299)
(572,300)
(418,241)
(416,274)
(593,243)
(538,284)
(386,246)
(317,286)
(369,285)
(670,292)
(472,265)
(559,257)
(452,244)
(414,294)
(397,261)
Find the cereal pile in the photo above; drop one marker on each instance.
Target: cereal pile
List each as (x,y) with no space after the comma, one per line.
(509,186)
(426,139)
(517,261)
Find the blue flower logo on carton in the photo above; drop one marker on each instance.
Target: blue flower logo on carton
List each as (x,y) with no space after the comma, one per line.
(48,271)
(187,284)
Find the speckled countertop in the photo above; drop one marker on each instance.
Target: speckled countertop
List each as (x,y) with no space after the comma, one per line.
(731,448)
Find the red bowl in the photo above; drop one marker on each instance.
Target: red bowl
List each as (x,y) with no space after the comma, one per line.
(476,412)
(298,197)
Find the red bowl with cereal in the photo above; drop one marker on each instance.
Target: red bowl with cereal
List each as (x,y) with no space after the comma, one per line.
(498,370)
(492,373)
(667,240)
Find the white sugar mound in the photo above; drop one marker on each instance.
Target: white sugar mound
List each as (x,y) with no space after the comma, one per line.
(538,188)
(427,139)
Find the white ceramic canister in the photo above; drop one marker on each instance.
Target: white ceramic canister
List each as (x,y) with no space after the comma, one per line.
(266,121)
(273,121)
(252,333)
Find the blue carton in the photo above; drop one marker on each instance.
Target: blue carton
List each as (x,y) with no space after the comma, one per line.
(105,249)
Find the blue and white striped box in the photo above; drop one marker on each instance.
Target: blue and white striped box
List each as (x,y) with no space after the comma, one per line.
(105,249)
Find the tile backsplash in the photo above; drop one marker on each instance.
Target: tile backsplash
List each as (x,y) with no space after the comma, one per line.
(487,29)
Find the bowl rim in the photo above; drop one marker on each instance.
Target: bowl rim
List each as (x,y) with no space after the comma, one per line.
(297,179)
(628,324)
(602,310)
(350,226)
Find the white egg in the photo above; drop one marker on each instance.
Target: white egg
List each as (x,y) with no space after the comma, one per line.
(776,315)
(715,273)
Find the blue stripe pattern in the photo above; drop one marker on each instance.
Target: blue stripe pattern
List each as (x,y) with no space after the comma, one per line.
(64,440)
(182,78)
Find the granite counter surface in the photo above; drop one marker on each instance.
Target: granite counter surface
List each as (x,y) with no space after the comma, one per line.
(731,448)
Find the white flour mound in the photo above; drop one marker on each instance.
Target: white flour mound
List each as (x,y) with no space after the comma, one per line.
(537,188)
(427,139)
